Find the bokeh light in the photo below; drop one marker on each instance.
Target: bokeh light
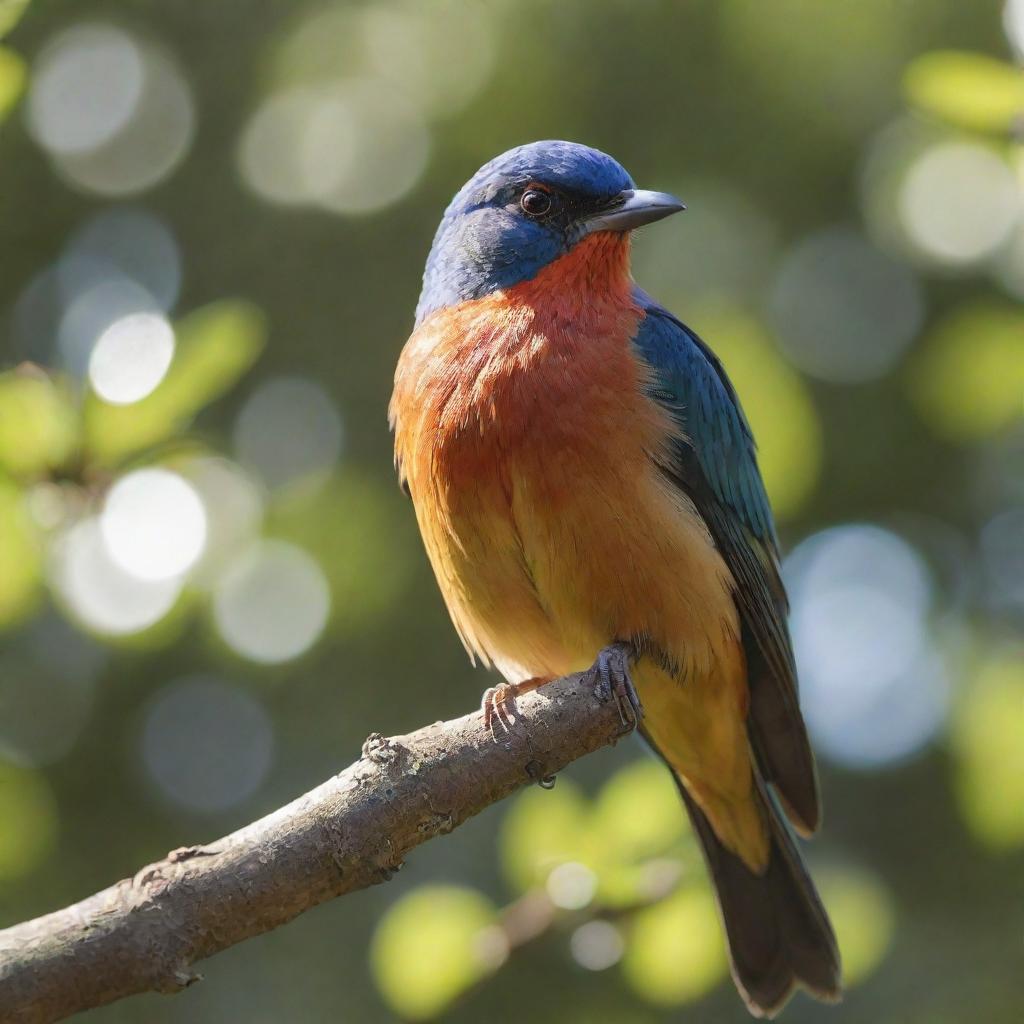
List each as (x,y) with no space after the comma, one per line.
(122,242)
(597,945)
(121,261)
(967,380)
(287,430)
(364,148)
(425,950)
(350,147)
(968,90)
(234,506)
(347,124)
(571,886)
(843,311)
(114,114)
(98,592)
(207,745)
(412,46)
(131,357)
(542,830)
(1013,23)
(1002,554)
(959,202)
(873,688)
(154,524)
(272,602)
(270,149)
(93,311)
(637,811)
(401,42)
(987,731)
(676,951)
(87,85)
(863,916)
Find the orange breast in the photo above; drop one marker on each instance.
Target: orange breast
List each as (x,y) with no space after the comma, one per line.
(526,439)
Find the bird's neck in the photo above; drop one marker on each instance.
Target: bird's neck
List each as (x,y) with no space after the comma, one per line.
(590,278)
(576,305)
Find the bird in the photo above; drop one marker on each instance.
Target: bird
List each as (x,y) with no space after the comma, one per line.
(586,486)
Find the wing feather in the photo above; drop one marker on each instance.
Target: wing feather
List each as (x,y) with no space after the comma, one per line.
(713,459)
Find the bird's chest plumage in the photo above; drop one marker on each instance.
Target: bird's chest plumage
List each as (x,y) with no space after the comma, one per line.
(528,444)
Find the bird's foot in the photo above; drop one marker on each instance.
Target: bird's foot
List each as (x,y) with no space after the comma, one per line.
(498,703)
(612,681)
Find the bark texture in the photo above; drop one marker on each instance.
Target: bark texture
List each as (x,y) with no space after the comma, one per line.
(146,932)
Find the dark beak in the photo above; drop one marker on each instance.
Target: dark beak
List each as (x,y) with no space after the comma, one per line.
(632,208)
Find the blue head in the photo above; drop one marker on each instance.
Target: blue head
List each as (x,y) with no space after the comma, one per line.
(524,209)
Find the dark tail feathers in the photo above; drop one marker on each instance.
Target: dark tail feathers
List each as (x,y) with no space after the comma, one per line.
(779,934)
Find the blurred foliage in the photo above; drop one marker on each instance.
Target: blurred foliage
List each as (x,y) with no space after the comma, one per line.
(10,13)
(299,156)
(862,914)
(29,813)
(427,949)
(38,429)
(215,346)
(624,856)
(21,557)
(968,379)
(12,80)
(676,951)
(987,737)
(969,90)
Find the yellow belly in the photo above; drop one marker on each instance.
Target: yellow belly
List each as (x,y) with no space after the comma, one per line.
(543,586)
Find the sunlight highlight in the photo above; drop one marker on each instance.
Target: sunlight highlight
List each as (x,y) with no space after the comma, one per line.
(131,357)
(153,524)
(272,603)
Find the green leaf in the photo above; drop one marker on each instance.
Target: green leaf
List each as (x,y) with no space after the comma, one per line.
(29,813)
(432,945)
(676,952)
(12,78)
(638,813)
(862,914)
(38,424)
(988,735)
(543,829)
(20,556)
(10,14)
(967,380)
(639,827)
(216,345)
(969,90)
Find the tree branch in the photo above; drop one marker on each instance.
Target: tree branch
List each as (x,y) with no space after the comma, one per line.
(145,933)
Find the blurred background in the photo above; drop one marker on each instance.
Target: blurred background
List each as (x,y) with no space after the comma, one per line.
(213,218)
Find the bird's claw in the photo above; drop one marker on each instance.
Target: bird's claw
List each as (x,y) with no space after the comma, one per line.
(612,681)
(498,705)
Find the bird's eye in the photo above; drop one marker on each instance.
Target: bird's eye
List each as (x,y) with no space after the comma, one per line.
(535,202)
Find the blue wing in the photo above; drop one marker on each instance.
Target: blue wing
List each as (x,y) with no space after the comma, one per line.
(713,459)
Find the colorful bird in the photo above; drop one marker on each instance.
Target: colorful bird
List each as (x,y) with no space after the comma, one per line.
(585,481)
